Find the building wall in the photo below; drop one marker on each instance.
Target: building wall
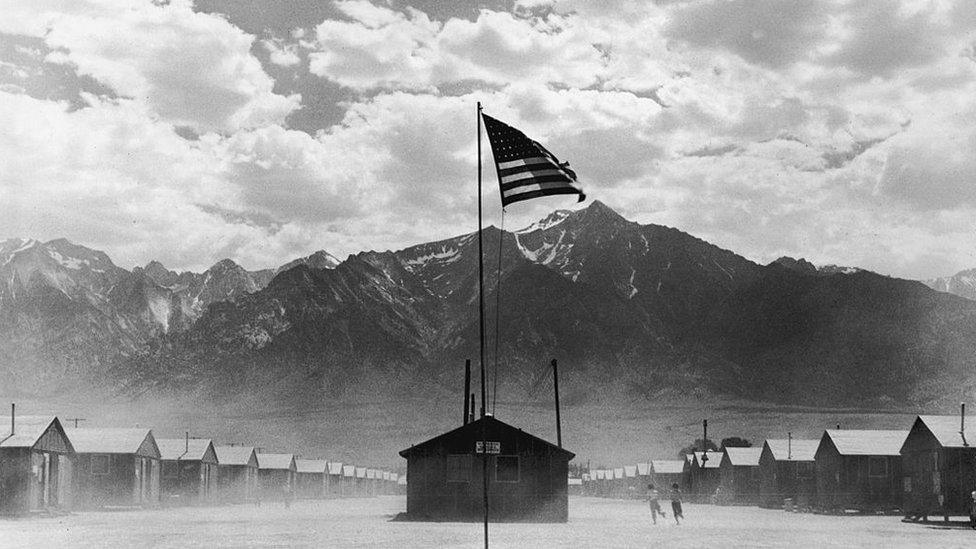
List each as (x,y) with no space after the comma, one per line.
(310,485)
(15,481)
(30,480)
(739,484)
(275,483)
(936,480)
(705,481)
(188,482)
(539,495)
(104,479)
(779,480)
(856,482)
(333,486)
(236,483)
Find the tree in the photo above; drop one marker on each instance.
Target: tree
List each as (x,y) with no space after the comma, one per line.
(735,442)
(698,446)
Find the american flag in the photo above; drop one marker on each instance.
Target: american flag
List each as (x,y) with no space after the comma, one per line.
(525,168)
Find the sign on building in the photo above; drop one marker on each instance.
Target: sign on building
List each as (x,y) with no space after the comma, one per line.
(494,447)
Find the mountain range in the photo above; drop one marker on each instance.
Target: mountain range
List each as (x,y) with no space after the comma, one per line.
(635,311)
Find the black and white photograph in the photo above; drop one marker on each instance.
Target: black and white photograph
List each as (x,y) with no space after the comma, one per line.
(487,273)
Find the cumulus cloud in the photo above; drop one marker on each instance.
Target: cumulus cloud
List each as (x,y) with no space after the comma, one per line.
(191,69)
(766,130)
(381,48)
(760,31)
(285,55)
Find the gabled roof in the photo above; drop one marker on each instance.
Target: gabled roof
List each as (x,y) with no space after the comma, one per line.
(236,455)
(335,468)
(360,472)
(668,466)
(370,473)
(630,471)
(600,474)
(473,430)
(744,457)
(317,466)
(349,470)
(276,461)
(618,472)
(98,440)
(851,442)
(946,431)
(194,449)
(713,461)
(402,481)
(796,450)
(31,432)
(394,476)
(690,458)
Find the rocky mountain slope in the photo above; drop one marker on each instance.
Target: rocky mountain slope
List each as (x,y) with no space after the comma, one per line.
(643,311)
(67,312)
(962,284)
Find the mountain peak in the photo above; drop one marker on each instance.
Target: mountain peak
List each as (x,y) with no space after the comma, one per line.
(225,265)
(799,265)
(318,260)
(600,211)
(159,273)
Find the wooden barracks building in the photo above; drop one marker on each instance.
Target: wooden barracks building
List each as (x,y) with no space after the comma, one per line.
(860,469)
(939,463)
(35,465)
(526,482)
(114,467)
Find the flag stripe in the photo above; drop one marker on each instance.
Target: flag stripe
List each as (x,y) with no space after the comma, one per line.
(541,186)
(537,194)
(561,179)
(523,162)
(533,173)
(535,167)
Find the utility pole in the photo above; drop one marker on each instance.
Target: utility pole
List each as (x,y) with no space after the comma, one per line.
(75,420)
(555,383)
(704,440)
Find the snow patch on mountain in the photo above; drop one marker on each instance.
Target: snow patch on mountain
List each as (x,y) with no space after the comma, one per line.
(445,255)
(160,308)
(22,244)
(633,289)
(68,262)
(553,219)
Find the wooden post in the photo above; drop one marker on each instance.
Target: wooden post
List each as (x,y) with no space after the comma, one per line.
(962,423)
(555,384)
(704,440)
(467,389)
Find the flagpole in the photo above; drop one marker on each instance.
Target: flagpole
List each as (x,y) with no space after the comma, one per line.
(481,339)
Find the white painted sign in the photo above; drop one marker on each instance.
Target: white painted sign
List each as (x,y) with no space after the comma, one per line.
(494,447)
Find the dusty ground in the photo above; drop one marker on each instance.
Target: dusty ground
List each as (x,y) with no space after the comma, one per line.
(366,523)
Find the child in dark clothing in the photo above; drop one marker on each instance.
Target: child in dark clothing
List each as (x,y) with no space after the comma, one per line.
(676,503)
(972,510)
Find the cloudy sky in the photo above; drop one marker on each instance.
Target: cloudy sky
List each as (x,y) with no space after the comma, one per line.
(843,131)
